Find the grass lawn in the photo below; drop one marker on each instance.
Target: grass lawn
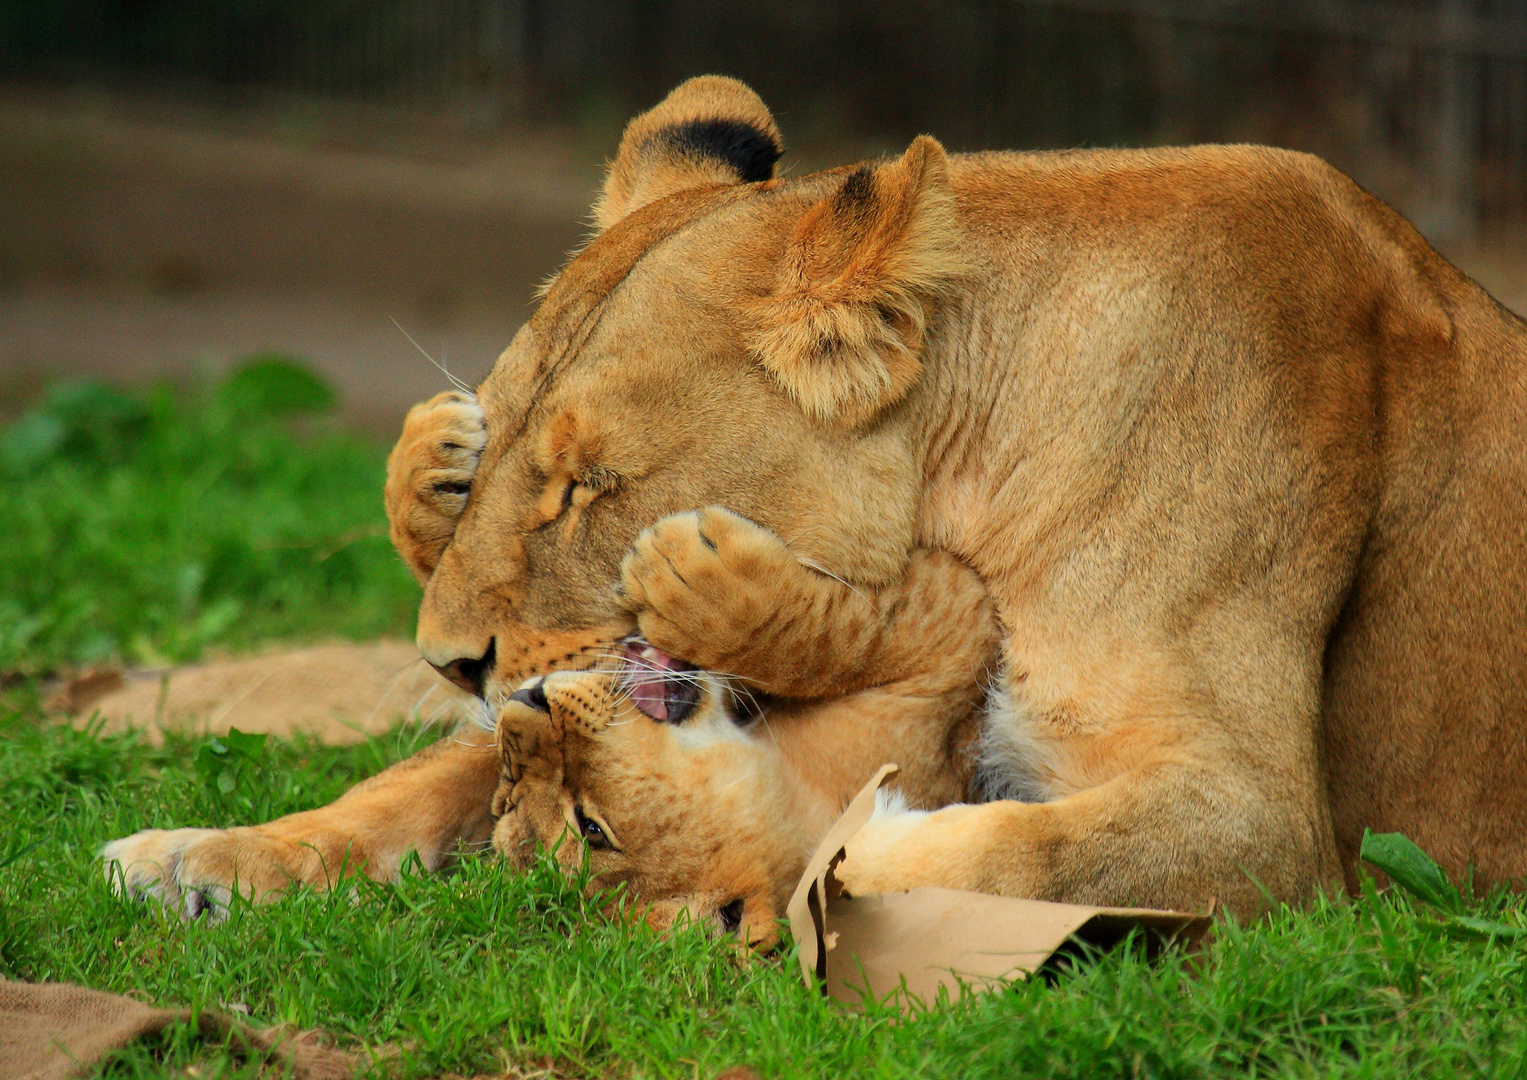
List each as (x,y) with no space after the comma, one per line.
(483,971)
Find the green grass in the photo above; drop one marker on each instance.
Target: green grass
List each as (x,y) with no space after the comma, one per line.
(484,969)
(151,526)
(469,971)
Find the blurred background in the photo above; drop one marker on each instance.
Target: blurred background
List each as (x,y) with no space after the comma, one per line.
(186,182)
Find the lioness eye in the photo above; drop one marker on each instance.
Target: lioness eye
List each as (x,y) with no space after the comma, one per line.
(590,831)
(567,496)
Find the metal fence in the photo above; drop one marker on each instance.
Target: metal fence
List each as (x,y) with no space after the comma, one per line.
(1425,101)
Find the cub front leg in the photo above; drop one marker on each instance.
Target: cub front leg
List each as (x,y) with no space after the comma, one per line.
(729,596)
(433,803)
(429,476)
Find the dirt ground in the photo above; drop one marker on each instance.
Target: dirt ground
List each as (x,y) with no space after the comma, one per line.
(141,238)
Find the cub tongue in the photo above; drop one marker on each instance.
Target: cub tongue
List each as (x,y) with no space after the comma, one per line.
(649,690)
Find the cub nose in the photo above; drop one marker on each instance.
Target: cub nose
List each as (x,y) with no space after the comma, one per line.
(468,673)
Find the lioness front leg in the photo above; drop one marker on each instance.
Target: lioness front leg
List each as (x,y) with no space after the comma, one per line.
(1153,811)
(429,475)
(1107,846)
(434,803)
(729,596)
(431,803)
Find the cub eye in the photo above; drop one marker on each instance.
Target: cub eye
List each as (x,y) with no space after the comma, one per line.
(567,497)
(589,829)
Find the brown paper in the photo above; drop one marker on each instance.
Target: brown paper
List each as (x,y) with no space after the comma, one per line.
(915,943)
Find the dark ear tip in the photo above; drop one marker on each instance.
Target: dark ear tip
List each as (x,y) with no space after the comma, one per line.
(746,148)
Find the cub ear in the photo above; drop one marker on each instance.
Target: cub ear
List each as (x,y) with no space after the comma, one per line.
(843,330)
(710,130)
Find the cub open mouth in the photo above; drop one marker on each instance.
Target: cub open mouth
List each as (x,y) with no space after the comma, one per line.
(660,685)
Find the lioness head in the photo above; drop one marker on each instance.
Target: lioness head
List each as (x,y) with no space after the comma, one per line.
(728,338)
(655,774)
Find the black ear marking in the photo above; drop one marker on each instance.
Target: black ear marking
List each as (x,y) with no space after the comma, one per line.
(747,150)
(856,197)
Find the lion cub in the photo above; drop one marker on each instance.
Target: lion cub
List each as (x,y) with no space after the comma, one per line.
(703,803)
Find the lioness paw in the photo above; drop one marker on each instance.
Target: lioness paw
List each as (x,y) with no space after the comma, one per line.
(150,865)
(195,872)
(429,476)
(909,849)
(702,583)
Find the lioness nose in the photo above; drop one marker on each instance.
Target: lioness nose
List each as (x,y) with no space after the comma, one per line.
(468,673)
(534,696)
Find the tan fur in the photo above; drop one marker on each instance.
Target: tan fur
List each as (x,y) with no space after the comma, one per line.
(429,474)
(1238,456)
(843,327)
(649,165)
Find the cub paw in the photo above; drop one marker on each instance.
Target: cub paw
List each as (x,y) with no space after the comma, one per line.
(703,584)
(429,476)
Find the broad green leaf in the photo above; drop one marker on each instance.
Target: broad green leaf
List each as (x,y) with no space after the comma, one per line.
(246,744)
(1411,869)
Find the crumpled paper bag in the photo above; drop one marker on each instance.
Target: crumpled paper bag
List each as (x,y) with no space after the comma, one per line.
(912,944)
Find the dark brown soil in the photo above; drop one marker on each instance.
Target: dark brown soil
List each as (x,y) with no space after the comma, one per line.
(136,240)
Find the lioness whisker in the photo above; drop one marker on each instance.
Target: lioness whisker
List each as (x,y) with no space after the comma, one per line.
(482,716)
(457,383)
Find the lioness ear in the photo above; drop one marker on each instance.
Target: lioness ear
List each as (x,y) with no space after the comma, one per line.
(844,327)
(710,130)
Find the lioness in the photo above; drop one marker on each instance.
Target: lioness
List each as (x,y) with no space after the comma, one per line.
(1241,460)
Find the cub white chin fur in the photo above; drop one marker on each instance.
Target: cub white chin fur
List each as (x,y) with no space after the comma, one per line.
(891,803)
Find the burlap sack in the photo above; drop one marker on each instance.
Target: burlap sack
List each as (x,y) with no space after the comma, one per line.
(339,693)
(56,1031)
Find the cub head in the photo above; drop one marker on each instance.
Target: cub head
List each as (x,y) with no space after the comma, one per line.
(651,773)
(727,338)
